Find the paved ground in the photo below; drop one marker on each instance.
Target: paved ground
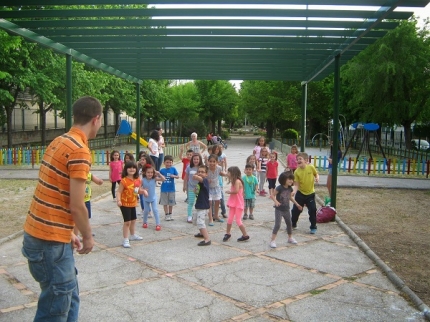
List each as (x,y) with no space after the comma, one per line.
(167,277)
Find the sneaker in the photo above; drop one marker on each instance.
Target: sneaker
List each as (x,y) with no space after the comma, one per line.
(251,217)
(273,244)
(292,240)
(245,217)
(145,225)
(313,231)
(158,228)
(168,218)
(294,227)
(226,237)
(219,220)
(149,215)
(135,237)
(203,243)
(243,238)
(199,235)
(211,224)
(126,243)
(190,220)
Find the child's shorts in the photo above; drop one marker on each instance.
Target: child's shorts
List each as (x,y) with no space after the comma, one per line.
(167,199)
(199,216)
(215,193)
(272,183)
(250,203)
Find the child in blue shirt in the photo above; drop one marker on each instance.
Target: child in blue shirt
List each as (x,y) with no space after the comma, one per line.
(250,186)
(167,195)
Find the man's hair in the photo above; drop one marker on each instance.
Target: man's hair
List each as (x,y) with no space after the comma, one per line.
(168,158)
(304,155)
(85,109)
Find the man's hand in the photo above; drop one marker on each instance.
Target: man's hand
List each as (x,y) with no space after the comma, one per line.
(88,244)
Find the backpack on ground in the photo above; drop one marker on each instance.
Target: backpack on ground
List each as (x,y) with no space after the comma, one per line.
(326,214)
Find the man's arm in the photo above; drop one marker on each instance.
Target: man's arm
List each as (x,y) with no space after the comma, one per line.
(79,213)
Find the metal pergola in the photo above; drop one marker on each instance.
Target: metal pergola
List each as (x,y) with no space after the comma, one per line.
(291,40)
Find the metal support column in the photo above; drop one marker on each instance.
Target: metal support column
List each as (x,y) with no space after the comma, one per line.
(335,130)
(303,123)
(137,119)
(68,92)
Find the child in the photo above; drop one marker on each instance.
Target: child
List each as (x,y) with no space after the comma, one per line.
(292,159)
(272,172)
(281,196)
(235,204)
(144,161)
(185,162)
(222,161)
(252,160)
(87,197)
(206,155)
(202,205)
(250,187)
(127,201)
(304,178)
(115,170)
(261,168)
(190,184)
(214,172)
(167,194)
(128,157)
(149,182)
(260,144)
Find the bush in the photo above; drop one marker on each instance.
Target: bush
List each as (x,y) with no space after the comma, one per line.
(225,134)
(290,134)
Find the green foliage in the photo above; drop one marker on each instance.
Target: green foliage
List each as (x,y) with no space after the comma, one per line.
(290,134)
(389,81)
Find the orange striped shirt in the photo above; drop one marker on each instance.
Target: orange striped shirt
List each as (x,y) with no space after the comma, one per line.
(67,157)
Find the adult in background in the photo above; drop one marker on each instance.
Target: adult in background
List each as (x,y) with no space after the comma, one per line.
(153,147)
(161,145)
(209,139)
(57,207)
(195,145)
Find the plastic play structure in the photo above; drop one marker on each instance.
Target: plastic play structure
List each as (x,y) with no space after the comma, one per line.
(365,130)
(125,129)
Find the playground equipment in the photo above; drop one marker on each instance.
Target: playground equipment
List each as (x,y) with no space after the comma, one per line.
(369,128)
(343,132)
(125,129)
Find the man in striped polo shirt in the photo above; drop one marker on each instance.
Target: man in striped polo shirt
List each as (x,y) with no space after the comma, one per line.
(57,206)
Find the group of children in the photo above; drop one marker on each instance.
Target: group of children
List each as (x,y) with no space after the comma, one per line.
(203,183)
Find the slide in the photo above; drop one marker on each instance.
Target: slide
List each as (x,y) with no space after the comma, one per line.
(142,141)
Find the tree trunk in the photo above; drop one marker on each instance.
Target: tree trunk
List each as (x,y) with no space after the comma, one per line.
(105,123)
(9,110)
(42,115)
(219,127)
(408,133)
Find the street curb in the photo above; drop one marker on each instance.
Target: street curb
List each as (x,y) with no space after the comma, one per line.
(396,280)
(10,237)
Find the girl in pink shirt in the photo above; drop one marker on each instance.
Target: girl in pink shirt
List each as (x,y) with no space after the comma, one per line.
(115,170)
(235,203)
(292,159)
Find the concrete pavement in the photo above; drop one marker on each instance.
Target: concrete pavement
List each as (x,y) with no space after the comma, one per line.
(167,277)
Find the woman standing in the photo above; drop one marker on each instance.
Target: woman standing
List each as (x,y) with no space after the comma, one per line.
(195,145)
(161,145)
(153,147)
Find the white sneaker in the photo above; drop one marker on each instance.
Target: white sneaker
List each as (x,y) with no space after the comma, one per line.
(135,237)
(149,215)
(168,218)
(292,240)
(273,244)
(126,243)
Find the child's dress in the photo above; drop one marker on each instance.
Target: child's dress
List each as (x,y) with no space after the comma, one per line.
(150,201)
(292,161)
(115,174)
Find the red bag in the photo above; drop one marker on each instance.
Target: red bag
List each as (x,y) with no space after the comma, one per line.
(325,214)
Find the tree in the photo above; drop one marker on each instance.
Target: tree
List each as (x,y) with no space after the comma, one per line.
(271,102)
(389,81)
(217,98)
